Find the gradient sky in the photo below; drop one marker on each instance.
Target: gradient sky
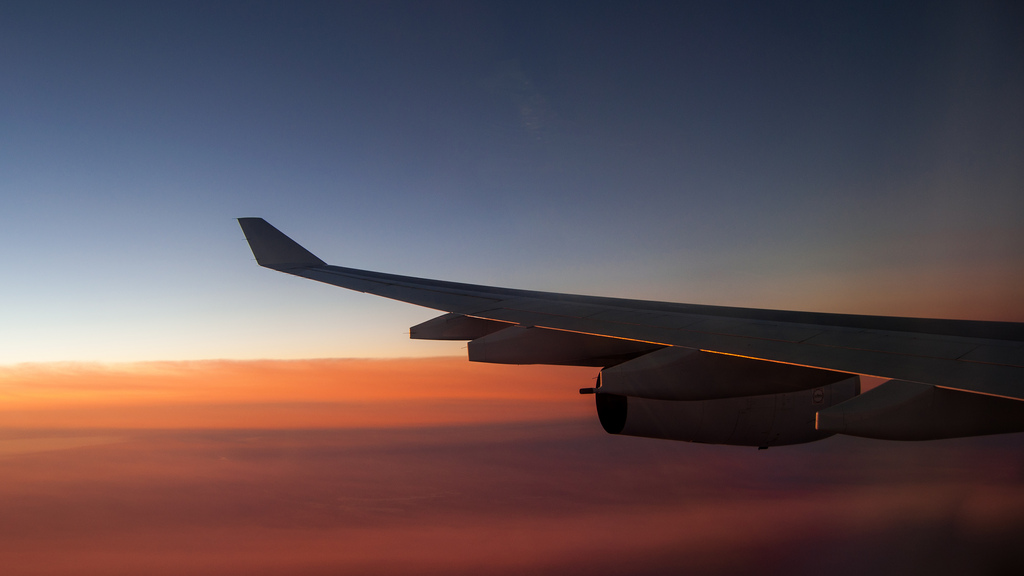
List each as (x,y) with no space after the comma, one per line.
(861,157)
(169,407)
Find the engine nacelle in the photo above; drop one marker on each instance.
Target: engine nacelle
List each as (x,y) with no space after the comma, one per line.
(764,420)
(899,410)
(677,373)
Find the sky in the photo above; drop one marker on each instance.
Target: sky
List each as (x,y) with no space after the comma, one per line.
(167,406)
(847,157)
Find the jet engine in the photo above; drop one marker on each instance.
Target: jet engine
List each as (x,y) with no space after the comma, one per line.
(668,392)
(695,396)
(764,420)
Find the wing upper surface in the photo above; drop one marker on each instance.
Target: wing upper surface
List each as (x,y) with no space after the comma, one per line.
(975,356)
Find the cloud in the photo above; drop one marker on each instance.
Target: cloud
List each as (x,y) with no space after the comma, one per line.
(438,466)
(543,497)
(13,446)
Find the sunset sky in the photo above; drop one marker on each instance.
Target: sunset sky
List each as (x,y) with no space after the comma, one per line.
(860,157)
(168,405)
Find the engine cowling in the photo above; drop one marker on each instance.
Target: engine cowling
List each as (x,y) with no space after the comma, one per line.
(763,420)
(900,410)
(677,373)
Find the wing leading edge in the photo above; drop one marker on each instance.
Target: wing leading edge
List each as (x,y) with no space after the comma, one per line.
(973,357)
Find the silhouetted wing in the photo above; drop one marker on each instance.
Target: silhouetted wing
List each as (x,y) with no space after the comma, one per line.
(973,356)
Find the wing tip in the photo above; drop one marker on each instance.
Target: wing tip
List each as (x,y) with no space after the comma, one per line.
(272,248)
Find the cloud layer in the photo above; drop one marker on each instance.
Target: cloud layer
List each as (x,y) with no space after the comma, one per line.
(504,488)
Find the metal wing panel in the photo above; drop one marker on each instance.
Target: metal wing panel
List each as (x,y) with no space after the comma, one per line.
(896,343)
(643,317)
(983,357)
(930,359)
(421,294)
(996,354)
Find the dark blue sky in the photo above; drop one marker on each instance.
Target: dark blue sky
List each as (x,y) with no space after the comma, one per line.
(861,157)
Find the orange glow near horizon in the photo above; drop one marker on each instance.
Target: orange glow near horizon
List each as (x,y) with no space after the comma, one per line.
(285,393)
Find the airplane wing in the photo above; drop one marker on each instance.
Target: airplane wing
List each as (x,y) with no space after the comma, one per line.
(736,350)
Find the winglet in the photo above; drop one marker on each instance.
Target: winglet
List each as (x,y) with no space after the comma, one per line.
(273,249)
